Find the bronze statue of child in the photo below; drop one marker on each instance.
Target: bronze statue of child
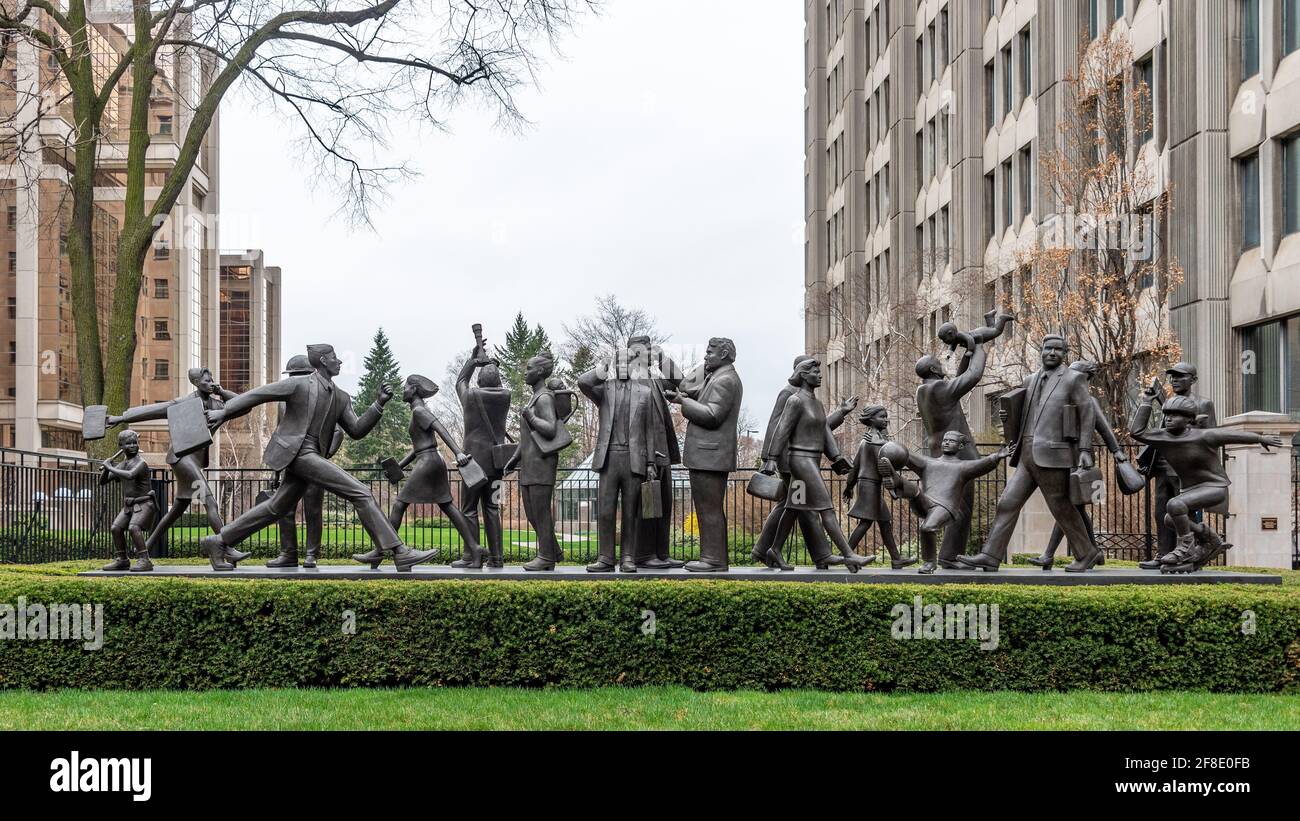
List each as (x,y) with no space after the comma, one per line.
(995,323)
(870,507)
(938,501)
(139,508)
(1193,453)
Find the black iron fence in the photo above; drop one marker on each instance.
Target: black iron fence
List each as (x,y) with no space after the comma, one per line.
(54,509)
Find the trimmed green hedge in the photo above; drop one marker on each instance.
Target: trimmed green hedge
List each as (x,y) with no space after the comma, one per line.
(162,633)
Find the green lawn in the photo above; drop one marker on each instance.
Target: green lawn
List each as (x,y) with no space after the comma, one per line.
(657,708)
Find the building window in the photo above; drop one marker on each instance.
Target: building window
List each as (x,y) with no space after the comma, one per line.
(12,305)
(920,158)
(920,62)
(989,87)
(1291,184)
(1290,26)
(944,238)
(884,192)
(161,289)
(929,165)
(1248,22)
(165,124)
(1094,19)
(1026,65)
(13,262)
(1248,184)
(884,108)
(161,369)
(945,50)
(1271,380)
(942,140)
(1006,195)
(160,329)
(1144,78)
(990,207)
(1118,10)
(1026,181)
(1006,81)
(13,357)
(11,216)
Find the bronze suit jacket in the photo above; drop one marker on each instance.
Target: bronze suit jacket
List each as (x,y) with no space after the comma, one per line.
(300,395)
(712,413)
(1043,430)
(640,424)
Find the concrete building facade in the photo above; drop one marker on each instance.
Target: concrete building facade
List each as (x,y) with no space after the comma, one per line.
(925,121)
(182,300)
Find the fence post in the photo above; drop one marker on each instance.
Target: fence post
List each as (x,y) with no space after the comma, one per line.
(1260,501)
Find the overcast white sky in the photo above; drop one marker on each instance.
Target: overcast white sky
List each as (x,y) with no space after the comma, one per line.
(664,165)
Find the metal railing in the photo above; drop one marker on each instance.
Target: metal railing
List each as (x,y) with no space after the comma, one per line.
(53,508)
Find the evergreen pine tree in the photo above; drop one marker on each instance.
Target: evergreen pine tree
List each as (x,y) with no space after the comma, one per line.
(522,344)
(391,436)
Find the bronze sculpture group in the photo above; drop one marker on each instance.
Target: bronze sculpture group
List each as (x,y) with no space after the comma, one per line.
(1049,424)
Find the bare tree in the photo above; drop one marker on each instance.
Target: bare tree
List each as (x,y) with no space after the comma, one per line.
(607,329)
(1100,272)
(878,333)
(342,70)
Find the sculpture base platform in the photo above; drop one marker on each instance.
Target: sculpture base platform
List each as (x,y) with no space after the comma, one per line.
(427,572)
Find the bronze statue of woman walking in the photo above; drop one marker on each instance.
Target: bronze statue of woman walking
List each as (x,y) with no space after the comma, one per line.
(428,482)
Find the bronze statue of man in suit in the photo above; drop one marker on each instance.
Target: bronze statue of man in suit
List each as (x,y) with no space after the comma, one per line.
(313,407)
(711,408)
(1054,437)
(485,408)
(658,372)
(1101,426)
(313,499)
(632,446)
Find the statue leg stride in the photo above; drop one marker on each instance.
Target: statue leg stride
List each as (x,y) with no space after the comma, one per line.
(1048,559)
(308,468)
(617,484)
(121,557)
(190,484)
(537,507)
(830,524)
(288,527)
(313,514)
(933,519)
(484,498)
(133,521)
(886,529)
(775,533)
(1197,543)
(473,550)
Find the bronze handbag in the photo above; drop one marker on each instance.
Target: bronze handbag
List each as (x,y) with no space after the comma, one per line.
(1128,478)
(768,486)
